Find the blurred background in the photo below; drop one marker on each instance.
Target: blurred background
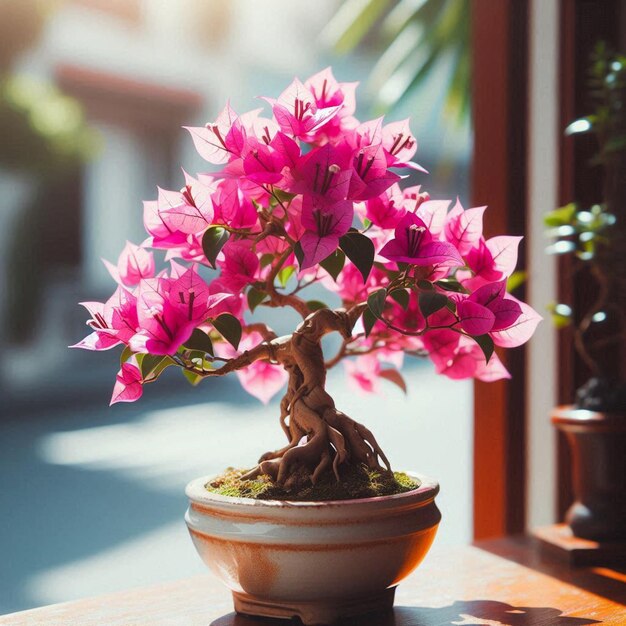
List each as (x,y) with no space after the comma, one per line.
(93,94)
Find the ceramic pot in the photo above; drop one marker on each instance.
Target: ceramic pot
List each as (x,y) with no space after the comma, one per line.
(319,561)
(598,445)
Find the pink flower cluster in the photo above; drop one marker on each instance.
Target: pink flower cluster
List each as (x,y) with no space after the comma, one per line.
(309,195)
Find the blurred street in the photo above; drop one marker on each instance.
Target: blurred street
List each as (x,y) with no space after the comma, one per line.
(92,499)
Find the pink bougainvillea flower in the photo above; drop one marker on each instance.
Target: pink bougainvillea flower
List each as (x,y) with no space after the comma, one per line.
(368,133)
(263,380)
(521,330)
(459,357)
(363,373)
(469,362)
(128,383)
(260,127)
(297,113)
(260,379)
(324,224)
(370,176)
(476,319)
(235,304)
(492,371)
(464,228)
(488,309)
(414,244)
(264,163)
(414,197)
(113,322)
(169,310)
(103,336)
(233,207)
(239,265)
(190,249)
(324,172)
(221,141)
(400,145)
(433,214)
(162,236)
(386,210)
(350,286)
(327,92)
(133,264)
(491,261)
(190,210)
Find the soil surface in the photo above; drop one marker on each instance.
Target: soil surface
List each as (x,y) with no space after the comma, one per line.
(356,482)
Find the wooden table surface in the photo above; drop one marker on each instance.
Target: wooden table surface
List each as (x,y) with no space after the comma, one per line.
(504,581)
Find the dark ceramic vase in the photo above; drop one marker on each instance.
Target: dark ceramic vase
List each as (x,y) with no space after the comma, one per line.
(598,445)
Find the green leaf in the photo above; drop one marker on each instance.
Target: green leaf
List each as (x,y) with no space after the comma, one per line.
(285,274)
(425,285)
(393,376)
(560,217)
(368,321)
(297,250)
(198,358)
(431,301)
(360,250)
(451,284)
(316,305)
(255,297)
(126,354)
(401,296)
(192,377)
(486,345)
(266,259)
(199,340)
(283,196)
(153,365)
(229,327)
(376,302)
(334,263)
(213,241)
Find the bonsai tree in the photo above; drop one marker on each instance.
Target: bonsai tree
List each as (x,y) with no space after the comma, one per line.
(595,237)
(309,197)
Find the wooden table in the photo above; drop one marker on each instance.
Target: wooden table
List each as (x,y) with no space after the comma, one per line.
(503,581)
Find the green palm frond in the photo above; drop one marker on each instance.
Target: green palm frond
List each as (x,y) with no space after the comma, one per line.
(416,37)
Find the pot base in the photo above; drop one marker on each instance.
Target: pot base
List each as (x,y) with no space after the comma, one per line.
(322,612)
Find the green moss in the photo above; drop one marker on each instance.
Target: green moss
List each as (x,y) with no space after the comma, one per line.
(356,482)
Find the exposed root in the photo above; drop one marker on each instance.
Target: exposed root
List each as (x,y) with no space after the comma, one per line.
(321,438)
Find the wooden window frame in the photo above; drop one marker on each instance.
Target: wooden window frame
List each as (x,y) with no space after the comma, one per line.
(499,46)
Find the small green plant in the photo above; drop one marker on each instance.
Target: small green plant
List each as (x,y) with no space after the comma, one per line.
(595,238)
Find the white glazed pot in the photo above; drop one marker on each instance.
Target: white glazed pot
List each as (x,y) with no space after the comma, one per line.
(318,561)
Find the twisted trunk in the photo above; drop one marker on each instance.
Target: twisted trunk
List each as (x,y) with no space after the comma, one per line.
(320,437)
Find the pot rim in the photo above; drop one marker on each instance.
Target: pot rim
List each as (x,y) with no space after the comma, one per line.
(427,490)
(572,416)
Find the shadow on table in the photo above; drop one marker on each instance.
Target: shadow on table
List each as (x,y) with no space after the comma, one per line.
(412,616)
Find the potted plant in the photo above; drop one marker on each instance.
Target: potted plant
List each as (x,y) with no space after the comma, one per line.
(595,238)
(321,527)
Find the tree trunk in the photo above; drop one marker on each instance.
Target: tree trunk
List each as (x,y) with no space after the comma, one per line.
(320,437)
